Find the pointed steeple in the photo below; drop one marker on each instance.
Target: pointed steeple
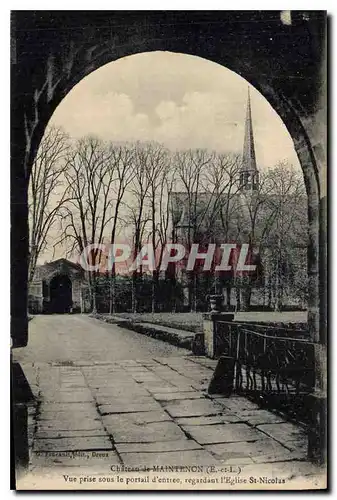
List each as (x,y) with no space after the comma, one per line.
(248,157)
(248,172)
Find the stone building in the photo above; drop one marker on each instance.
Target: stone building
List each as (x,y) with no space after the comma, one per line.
(56,288)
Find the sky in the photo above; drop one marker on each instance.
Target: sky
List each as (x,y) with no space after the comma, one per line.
(180,100)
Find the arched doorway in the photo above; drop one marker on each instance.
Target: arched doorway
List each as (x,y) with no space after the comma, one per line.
(60,294)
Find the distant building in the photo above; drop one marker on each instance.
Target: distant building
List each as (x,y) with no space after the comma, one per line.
(56,288)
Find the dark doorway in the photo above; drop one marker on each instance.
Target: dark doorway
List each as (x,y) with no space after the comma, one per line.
(60,294)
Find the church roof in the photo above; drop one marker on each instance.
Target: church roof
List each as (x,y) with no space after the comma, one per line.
(60,262)
(205,213)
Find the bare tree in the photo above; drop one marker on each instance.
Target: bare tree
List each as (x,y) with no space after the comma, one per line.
(88,212)
(191,166)
(47,191)
(122,158)
(254,220)
(138,207)
(221,181)
(288,234)
(160,180)
(209,181)
(271,220)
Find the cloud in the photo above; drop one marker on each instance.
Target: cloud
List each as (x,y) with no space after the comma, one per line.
(179,100)
(110,116)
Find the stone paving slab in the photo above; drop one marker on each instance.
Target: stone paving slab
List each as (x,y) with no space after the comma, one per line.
(130,407)
(73,444)
(165,389)
(137,369)
(73,386)
(282,456)
(105,363)
(130,391)
(200,386)
(217,419)
(183,385)
(128,362)
(73,407)
(282,432)
(116,384)
(222,433)
(258,450)
(162,369)
(53,433)
(159,447)
(180,382)
(96,367)
(69,424)
(203,361)
(193,408)
(299,444)
(117,421)
(235,404)
(191,370)
(165,386)
(104,388)
(68,415)
(113,383)
(94,370)
(148,433)
(134,393)
(109,399)
(148,363)
(178,396)
(144,377)
(69,397)
(68,421)
(127,398)
(258,417)
(195,375)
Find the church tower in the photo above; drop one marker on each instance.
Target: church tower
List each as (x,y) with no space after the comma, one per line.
(249,175)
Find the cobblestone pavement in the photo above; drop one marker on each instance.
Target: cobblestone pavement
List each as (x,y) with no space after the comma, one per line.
(100,409)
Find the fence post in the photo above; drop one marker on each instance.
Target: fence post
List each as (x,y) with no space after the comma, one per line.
(210,321)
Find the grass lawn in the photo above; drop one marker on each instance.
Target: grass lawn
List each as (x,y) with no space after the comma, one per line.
(273,317)
(184,321)
(193,321)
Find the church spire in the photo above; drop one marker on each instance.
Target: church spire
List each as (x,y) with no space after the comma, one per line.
(249,174)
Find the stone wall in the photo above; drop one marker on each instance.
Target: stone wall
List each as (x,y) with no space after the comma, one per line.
(35,297)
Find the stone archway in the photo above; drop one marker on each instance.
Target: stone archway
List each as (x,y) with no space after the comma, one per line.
(53,57)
